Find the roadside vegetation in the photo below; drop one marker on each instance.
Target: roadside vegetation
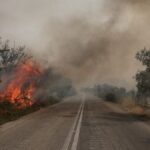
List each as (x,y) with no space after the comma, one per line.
(10,111)
(128,100)
(136,101)
(17,99)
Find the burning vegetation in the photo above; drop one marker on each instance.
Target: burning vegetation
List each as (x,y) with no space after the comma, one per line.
(21,88)
(19,74)
(27,85)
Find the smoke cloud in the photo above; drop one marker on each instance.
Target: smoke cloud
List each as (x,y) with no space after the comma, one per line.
(87,41)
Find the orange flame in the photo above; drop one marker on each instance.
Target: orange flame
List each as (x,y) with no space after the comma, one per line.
(15,92)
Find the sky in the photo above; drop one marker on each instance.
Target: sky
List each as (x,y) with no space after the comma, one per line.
(88,41)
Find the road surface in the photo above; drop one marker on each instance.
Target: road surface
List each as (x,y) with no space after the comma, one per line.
(79,123)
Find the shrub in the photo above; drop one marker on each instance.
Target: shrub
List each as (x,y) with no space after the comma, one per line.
(111,97)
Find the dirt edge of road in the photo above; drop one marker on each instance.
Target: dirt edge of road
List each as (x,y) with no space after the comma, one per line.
(142,120)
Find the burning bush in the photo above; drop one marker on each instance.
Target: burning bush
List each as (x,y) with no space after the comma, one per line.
(20,86)
(26,85)
(25,82)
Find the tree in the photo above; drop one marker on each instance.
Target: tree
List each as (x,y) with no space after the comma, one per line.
(111,97)
(143,77)
(11,57)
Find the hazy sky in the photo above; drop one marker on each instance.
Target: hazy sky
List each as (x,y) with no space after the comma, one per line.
(89,41)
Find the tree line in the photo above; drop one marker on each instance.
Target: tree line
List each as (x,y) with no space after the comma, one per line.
(141,95)
(10,57)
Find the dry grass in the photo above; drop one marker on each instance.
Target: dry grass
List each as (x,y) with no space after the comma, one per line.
(147,112)
(135,109)
(138,110)
(128,103)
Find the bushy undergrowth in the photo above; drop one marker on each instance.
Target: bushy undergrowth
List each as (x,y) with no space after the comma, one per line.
(111,97)
(10,112)
(111,93)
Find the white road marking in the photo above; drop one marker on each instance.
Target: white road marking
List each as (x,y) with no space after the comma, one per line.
(71,141)
(77,133)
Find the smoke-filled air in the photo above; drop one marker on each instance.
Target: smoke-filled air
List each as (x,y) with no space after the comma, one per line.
(87,41)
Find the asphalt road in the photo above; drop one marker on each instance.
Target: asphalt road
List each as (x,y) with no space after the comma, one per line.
(79,123)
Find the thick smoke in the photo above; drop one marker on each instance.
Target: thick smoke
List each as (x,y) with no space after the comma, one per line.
(90,41)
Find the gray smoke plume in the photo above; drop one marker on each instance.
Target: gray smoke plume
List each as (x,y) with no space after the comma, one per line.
(88,41)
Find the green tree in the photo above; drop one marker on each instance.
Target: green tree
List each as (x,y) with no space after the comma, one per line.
(143,77)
